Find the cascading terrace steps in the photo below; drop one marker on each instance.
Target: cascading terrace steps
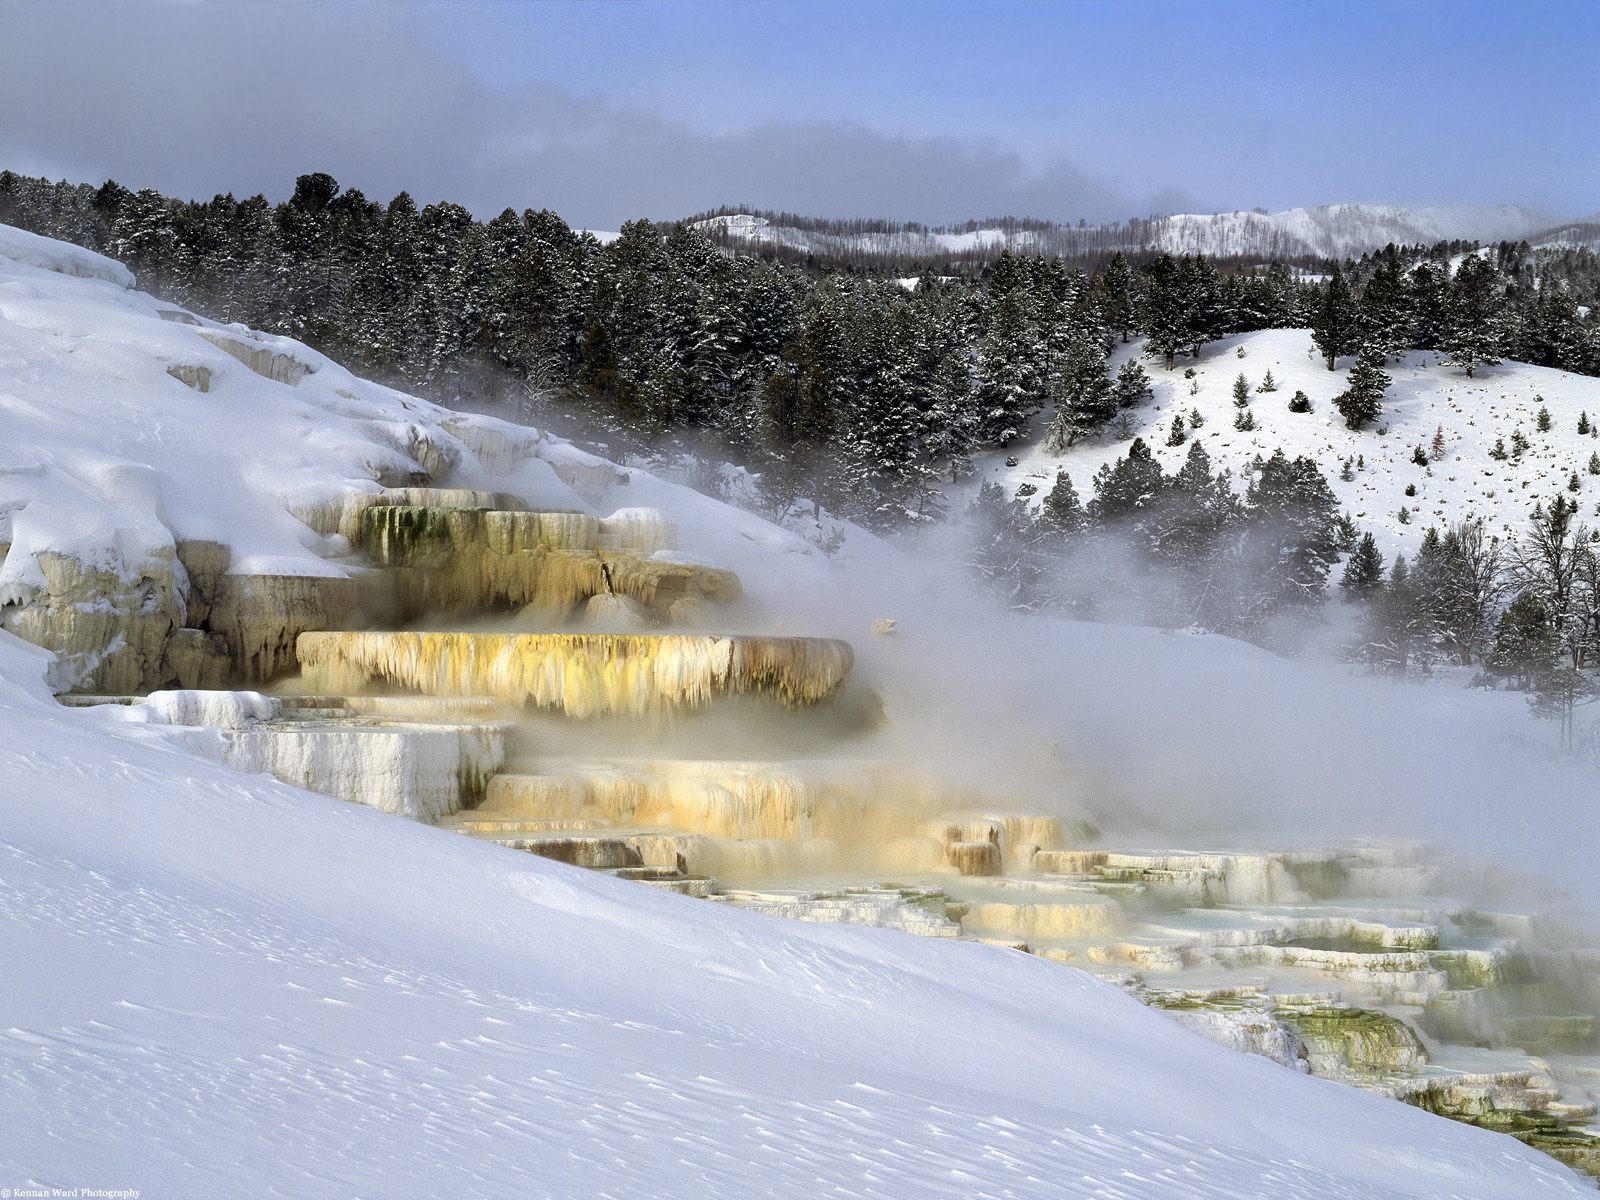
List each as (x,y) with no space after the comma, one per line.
(580,675)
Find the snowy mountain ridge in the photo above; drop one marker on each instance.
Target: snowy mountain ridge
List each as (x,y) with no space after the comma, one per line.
(1333,230)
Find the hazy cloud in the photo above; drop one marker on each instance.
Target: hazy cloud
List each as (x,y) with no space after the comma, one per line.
(197,98)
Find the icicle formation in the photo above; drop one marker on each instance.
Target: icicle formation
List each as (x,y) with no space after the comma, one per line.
(342,514)
(464,559)
(580,675)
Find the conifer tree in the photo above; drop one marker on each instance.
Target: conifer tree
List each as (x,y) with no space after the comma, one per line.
(1061,513)
(1085,398)
(1385,319)
(1241,392)
(1132,385)
(1177,435)
(1129,484)
(1002,550)
(1474,331)
(1117,297)
(1334,326)
(1362,400)
(1525,645)
(1363,574)
(1290,532)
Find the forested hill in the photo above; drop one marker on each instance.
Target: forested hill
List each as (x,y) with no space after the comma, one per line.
(1299,235)
(852,391)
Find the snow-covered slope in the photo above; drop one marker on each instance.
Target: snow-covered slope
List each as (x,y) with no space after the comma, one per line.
(234,988)
(224,986)
(1328,230)
(1426,396)
(1336,230)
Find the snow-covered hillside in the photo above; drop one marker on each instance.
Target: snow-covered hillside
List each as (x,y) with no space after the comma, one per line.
(1426,396)
(1336,230)
(1331,230)
(234,988)
(228,986)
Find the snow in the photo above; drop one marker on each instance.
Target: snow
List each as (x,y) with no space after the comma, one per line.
(1330,230)
(46,254)
(233,987)
(238,988)
(1337,230)
(1426,394)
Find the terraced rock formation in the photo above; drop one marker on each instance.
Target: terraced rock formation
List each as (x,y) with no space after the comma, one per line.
(1352,963)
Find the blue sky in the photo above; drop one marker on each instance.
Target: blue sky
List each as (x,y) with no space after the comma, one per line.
(925,110)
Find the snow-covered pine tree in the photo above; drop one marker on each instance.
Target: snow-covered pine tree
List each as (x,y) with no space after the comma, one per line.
(1362,400)
(1474,331)
(1334,326)
(1132,385)
(1363,574)
(1290,541)
(1061,512)
(1116,296)
(1012,374)
(1384,318)
(1085,398)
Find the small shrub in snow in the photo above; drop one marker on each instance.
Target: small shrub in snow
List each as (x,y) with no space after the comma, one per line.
(1299,403)
(1411,489)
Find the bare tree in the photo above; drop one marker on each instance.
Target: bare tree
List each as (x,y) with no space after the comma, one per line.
(1547,562)
(1474,584)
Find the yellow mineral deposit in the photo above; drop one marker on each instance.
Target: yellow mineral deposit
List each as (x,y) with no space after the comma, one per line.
(342,514)
(260,616)
(579,675)
(449,558)
(109,626)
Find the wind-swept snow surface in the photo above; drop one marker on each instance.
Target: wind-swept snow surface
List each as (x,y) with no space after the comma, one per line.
(223,986)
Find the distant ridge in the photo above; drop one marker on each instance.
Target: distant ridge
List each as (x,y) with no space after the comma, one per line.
(1327,231)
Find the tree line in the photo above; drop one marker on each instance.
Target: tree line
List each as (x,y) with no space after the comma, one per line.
(836,389)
